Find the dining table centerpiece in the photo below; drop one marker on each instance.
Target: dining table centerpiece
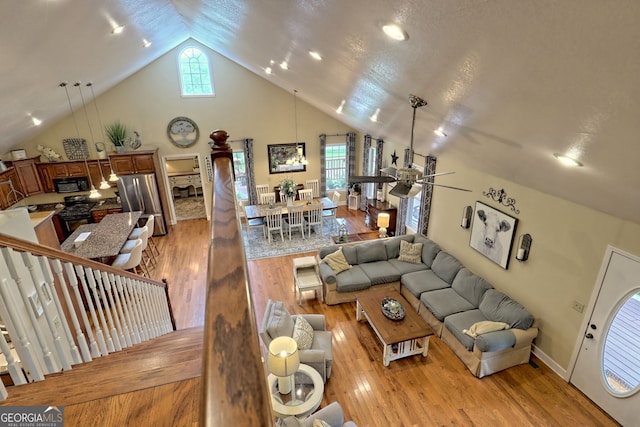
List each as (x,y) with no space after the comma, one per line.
(288,188)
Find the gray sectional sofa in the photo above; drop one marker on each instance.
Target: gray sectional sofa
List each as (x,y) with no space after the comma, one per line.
(452,300)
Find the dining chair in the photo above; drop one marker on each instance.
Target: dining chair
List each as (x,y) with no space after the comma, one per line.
(273,222)
(267,198)
(313,184)
(331,214)
(150,224)
(131,260)
(261,189)
(305,194)
(295,218)
(314,217)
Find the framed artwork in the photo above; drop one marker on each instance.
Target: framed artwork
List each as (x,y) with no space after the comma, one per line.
(492,234)
(287,158)
(36,305)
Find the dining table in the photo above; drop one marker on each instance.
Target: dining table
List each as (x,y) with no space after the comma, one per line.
(106,239)
(260,211)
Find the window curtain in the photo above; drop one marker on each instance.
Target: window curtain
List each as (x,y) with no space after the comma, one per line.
(427,195)
(403,205)
(380,142)
(247,147)
(351,154)
(366,187)
(323,172)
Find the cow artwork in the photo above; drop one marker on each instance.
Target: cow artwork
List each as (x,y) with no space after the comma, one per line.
(492,234)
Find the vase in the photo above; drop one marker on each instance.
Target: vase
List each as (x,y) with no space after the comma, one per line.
(290,200)
(119,148)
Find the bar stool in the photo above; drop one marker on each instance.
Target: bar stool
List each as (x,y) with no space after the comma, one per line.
(135,234)
(131,260)
(147,260)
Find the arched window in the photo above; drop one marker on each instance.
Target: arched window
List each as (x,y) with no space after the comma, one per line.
(195,76)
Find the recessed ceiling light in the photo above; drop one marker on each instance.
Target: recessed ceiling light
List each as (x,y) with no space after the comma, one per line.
(117,29)
(566,160)
(439,132)
(146,43)
(267,70)
(284,65)
(36,121)
(315,55)
(395,31)
(374,118)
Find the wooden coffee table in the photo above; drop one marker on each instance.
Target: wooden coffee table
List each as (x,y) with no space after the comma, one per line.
(399,338)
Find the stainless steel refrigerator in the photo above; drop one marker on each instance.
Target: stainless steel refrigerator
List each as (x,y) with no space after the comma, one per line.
(140,193)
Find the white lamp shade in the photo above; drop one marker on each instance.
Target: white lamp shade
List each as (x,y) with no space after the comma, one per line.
(284,358)
(383,220)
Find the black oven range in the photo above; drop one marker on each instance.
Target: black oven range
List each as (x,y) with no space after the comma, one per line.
(77,211)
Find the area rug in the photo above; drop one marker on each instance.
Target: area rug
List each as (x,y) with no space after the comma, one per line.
(189,208)
(257,246)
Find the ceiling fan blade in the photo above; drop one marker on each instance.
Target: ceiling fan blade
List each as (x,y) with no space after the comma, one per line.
(438,174)
(447,186)
(401,190)
(375,179)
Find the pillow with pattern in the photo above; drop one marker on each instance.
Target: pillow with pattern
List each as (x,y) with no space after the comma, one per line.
(303,333)
(410,252)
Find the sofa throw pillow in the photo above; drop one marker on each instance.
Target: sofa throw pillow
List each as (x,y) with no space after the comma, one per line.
(320,423)
(485,327)
(303,333)
(337,261)
(410,252)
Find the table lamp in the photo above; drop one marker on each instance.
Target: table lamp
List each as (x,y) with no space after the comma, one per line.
(284,361)
(383,223)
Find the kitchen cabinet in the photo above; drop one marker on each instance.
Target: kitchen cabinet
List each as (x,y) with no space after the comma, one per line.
(94,172)
(49,171)
(45,229)
(9,196)
(131,163)
(375,207)
(28,175)
(98,215)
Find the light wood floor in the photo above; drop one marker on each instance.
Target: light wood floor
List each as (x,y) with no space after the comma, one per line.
(433,391)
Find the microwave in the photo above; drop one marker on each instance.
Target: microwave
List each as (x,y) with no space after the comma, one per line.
(71,185)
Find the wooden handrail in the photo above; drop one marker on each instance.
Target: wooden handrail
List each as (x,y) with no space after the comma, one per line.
(234,388)
(21,245)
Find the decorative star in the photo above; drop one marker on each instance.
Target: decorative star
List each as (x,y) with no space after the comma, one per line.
(394,158)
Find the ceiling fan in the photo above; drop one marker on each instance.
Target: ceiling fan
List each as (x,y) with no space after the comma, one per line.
(405,177)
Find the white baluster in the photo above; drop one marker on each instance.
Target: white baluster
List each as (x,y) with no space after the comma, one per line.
(29,361)
(113,333)
(27,258)
(49,360)
(90,303)
(124,324)
(129,310)
(100,307)
(73,282)
(144,286)
(13,366)
(112,312)
(51,288)
(82,341)
(146,309)
(135,298)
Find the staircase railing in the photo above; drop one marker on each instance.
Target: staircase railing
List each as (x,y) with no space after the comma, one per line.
(61,310)
(234,388)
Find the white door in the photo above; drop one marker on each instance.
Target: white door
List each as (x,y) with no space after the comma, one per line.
(607,367)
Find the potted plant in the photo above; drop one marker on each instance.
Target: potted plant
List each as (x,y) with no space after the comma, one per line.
(288,188)
(117,133)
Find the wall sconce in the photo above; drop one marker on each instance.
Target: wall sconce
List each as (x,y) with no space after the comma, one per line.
(467,212)
(524,247)
(383,223)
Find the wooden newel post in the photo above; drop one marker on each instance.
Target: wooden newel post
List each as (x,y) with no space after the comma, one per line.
(220,148)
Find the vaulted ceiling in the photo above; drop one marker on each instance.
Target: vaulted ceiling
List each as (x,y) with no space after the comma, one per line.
(510,83)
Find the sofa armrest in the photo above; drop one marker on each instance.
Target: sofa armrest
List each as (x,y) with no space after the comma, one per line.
(317,321)
(524,337)
(331,414)
(312,356)
(327,274)
(496,341)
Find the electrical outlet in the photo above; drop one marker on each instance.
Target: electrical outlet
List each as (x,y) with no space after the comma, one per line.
(578,306)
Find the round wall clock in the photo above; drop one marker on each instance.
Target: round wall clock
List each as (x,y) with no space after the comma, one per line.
(183,132)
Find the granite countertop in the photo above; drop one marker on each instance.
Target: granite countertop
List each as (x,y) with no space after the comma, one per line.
(104,204)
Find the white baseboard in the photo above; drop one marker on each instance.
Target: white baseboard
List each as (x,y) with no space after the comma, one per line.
(552,364)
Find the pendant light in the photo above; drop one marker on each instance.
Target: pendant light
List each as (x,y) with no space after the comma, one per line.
(93,193)
(299,157)
(112,177)
(104,185)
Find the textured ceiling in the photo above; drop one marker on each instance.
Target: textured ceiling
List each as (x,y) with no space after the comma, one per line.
(510,82)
